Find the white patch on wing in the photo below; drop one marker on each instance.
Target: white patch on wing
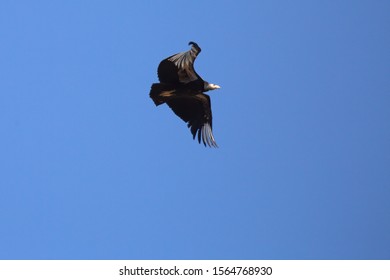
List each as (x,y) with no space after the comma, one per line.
(207,136)
(184,62)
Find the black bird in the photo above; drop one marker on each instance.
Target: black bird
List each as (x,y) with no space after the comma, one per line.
(182,89)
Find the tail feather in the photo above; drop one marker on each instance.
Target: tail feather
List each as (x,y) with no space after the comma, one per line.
(160,93)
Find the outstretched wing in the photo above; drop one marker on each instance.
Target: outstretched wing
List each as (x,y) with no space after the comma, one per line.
(196,111)
(179,68)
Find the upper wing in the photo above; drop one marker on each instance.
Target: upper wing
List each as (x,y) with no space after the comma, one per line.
(179,68)
(196,111)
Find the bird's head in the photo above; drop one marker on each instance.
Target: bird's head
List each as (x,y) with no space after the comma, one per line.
(208,86)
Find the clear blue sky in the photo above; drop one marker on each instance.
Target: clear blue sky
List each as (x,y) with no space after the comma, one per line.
(91,169)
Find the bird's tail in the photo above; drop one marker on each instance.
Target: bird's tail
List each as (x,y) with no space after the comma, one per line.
(160,93)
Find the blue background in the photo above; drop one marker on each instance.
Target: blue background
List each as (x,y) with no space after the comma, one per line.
(91,169)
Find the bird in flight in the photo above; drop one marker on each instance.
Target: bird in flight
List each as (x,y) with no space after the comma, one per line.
(183,90)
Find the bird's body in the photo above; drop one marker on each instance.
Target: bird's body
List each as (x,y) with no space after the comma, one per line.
(182,89)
